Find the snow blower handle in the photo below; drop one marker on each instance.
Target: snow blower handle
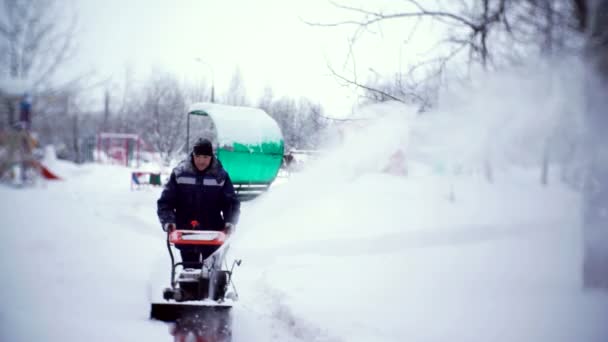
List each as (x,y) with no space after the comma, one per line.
(169,230)
(229,228)
(169,227)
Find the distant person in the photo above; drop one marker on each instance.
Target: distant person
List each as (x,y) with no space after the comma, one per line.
(397,164)
(198,196)
(288,160)
(25,112)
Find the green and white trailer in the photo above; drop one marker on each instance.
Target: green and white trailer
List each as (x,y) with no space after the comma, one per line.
(248,143)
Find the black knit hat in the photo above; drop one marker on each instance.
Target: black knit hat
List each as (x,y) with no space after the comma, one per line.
(202,147)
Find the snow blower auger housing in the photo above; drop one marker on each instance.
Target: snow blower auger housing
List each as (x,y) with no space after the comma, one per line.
(201,289)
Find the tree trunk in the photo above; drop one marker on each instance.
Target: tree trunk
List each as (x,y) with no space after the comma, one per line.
(75,140)
(544,173)
(484,35)
(106,111)
(595,214)
(488,170)
(11,110)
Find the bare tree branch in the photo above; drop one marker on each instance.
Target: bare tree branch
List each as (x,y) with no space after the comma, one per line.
(35,39)
(378,16)
(362,86)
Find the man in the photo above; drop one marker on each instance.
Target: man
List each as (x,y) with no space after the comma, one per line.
(199,196)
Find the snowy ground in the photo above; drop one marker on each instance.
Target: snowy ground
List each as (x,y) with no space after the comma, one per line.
(367,258)
(338,253)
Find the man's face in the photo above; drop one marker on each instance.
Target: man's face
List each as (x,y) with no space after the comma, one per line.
(201,162)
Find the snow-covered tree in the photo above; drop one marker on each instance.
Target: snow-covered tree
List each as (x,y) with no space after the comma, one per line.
(161,117)
(301,121)
(237,93)
(36,41)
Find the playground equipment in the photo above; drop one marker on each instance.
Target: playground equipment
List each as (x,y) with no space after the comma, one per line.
(129,150)
(141,179)
(119,148)
(249,144)
(20,158)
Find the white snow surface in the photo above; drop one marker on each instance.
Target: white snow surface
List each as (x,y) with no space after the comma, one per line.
(245,125)
(339,252)
(369,258)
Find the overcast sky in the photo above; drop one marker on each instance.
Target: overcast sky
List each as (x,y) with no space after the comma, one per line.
(266,39)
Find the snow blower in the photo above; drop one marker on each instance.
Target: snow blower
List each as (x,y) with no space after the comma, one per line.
(198,297)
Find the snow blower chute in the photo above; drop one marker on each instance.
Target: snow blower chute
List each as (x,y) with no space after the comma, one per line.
(249,144)
(199,295)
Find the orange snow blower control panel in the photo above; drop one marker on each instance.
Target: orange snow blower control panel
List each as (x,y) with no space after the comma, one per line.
(197,237)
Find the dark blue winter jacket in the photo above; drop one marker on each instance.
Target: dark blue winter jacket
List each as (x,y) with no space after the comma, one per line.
(204,197)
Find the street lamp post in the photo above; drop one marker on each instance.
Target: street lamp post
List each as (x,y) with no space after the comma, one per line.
(212,77)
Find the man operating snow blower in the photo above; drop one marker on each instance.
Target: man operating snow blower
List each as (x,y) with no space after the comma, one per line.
(198,209)
(198,196)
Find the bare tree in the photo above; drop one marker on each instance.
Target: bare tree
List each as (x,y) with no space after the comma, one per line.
(593,19)
(36,40)
(237,94)
(283,111)
(197,92)
(314,124)
(155,108)
(420,86)
(486,33)
(301,121)
(469,27)
(161,117)
(265,101)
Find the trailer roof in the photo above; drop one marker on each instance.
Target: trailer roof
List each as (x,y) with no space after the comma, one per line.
(244,125)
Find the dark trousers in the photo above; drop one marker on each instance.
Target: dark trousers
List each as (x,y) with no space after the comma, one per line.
(193,256)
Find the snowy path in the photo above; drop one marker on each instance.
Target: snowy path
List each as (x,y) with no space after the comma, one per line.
(483,290)
(82,259)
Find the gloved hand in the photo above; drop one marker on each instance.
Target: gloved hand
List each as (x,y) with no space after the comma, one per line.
(229,228)
(168,227)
